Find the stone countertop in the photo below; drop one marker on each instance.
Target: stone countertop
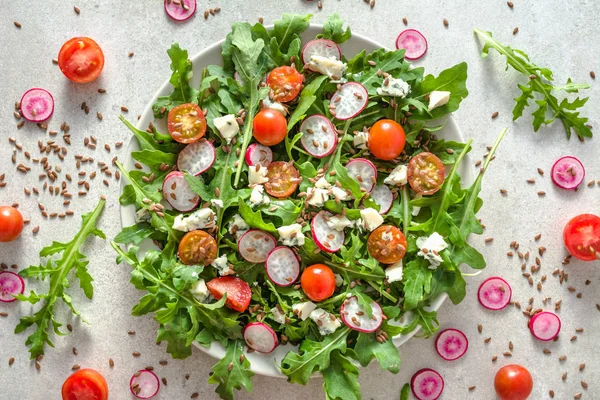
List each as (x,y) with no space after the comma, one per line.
(555,33)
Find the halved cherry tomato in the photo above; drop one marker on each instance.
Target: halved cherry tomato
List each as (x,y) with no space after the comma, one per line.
(387,244)
(85,384)
(386,139)
(318,282)
(283,179)
(187,123)
(269,127)
(582,237)
(197,247)
(513,382)
(238,292)
(285,83)
(11,223)
(81,59)
(425,173)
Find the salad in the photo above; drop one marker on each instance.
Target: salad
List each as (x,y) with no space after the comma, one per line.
(300,197)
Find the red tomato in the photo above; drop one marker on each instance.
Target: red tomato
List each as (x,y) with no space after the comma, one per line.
(387,244)
(197,247)
(85,384)
(186,123)
(269,127)
(386,139)
(81,59)
(582,237)
(318,282)
(285,83)
(11,223)
(283,179)
(238,292)
(425,173)
(513,382)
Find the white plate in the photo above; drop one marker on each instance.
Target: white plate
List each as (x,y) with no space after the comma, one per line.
(267,364)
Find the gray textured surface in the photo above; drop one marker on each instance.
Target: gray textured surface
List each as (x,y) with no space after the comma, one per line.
(556,33)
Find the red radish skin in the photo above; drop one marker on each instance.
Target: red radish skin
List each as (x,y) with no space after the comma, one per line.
(494,293)
(178,193)
(568,173)
(427,384)
(37,105)
(383,197)
(320,47)
(349,101)
(364,172)
(260,337)
(319,138)
(282,266)
(255,245)
(147,382)
(10,284)
(258,154)
(413,42)
(451,344)
(545,326)
(327,239)
(355,316)
(179,13)
(197,157)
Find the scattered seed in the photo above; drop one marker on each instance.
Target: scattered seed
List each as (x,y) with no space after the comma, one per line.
(540,171)
(445,22)
(593,74)
(510,4)
(471,388)
(516,30)
(480,328)
(131,54)
(17,24)
(494,115)
(136,354)
(405,21)
(11,361)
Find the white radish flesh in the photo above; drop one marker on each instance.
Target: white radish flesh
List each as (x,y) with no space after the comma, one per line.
(37,105)
(178,193)
(568,172)
(364,172)
(326,238)
(383,197)
(349,100)
(260,337)
(545,326)
(494,293)
(180,10)
(427,384)
(10,285)
(356,317)
(413,42)
(255,245)
(320,47)
(196,157)
(318,136)
(144,384)
(451,344)
(282,266)
(258,154)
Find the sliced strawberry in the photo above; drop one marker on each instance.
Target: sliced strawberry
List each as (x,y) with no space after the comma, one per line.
(238,292)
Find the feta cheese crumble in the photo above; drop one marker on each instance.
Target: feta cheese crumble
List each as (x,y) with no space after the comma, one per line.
(371,218)
(361,140)
(394,87)
(438,98)
(222,266)
(430,248)
(257,197)
(257,175)
(291,235)
(316,196)
(274,105)
(329,66)
(303,310)
(238,226)
(200,291)
(339,222)
(326,322)
(227,126)
(216,203)
(340,193)
(199,219)
(398,176)
(278,315)
(393,273)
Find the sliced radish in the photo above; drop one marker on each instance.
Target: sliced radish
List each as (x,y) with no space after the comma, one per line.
(259,154)
(413,42)
(349,100)
(319,137)
(197,157)
(494,293)
(260,337)
(282,266)
(144,384)
(545,326)
(326,238)
(10,285)
(355,316)
(383,197)
(364,172)
(178,193)
(427,384)
(180,10)
(320,47)
(37,105)
(451,344)
(255,245)
(568,172)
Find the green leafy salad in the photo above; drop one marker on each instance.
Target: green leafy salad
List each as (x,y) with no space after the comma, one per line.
(311,202)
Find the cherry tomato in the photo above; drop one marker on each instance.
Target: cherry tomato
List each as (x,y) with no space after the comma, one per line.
(582,237)
(186,123)
(513,382)
(238,292)
(283,179)
(81,59)
(197,247)
(318,282)
(386,139)
(425,173)
(269,127)
(11,223)
(387,244)
(85,384)
(285,83)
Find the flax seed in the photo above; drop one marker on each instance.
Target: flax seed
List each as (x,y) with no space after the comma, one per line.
(445,22)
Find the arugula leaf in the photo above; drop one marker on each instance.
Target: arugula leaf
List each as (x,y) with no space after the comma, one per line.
(254,218)
(417,281)
(405,392)
(307,98)
(453,80)
(232,371)
(333,29)
(58,270)
(340,378)
(391,62)
(386,353)
(539,89)
(289,27)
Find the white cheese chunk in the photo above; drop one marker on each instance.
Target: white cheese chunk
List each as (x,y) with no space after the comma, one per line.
(227,126)
(222,266)
(393,273)
(398,176)
(257,197)
(394,87)
(322,184)
(291,235)
(216,203)
(199,219)
(430,248)
(438,98)
(143,215)
(303,310)
(329,66)
(326,322)
(316,197)
(200,291)
(339,280)
(339,222)
(371,218)
(237,226)
(340,193)
(257,175)
(416,210)
(361,140)
(274,105)
(278,315)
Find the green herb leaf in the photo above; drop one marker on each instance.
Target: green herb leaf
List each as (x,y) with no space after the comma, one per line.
(232,371)
(307,98)
(340,378)
(333,29)
(453,80)
(386,353)
(405,392)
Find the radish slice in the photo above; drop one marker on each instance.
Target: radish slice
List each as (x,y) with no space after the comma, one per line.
(260,337)
(255,245)
(259,154)
(545,326)
(383,197)
(37,105)
(180,10)
(144,384)
(10,285)
(282,266)
(427,384)
(326,238)
(568,172)
(320,47)
(451,344)
(178,193)
(413,42)
(355,316)
(494,293)
(349,101)
(197,157)
(364,172)
(318,136)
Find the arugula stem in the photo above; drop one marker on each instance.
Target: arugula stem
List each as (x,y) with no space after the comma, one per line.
(346,268)
(201,95)
(406,217)
(383,292)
